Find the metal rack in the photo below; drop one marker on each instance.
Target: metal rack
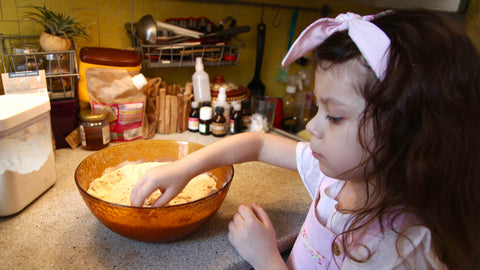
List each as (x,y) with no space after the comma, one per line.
(61,69)
(183,55)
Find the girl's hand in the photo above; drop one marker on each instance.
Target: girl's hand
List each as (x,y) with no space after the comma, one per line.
(251,233)
(167,178)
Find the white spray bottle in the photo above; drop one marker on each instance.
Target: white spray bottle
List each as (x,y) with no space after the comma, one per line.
(201,82)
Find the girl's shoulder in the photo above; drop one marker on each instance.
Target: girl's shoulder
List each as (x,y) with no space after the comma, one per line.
(409,248)
(308,168)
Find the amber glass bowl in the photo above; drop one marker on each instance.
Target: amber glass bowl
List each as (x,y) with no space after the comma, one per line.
(158,224)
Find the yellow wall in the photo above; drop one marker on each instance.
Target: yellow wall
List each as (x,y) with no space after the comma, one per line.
(472,22)
(105,21)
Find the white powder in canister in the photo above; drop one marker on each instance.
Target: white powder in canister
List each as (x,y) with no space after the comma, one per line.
(27,167)
(24,156)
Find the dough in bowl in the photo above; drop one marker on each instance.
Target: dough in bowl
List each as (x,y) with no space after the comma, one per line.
(115,185)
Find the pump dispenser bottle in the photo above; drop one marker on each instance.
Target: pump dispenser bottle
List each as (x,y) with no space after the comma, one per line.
(201,82)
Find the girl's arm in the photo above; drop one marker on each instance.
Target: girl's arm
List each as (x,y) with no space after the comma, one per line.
(173,177)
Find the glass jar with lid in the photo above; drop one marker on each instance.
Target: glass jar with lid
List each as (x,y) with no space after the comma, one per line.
(57,70)
(94,130)
(26,57)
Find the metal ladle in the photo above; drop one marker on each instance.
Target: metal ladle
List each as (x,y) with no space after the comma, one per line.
(148,29)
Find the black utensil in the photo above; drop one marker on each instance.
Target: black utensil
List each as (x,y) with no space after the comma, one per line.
(230,32)
(257,88)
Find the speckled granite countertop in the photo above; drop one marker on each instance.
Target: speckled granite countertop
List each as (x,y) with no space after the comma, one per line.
(57,231)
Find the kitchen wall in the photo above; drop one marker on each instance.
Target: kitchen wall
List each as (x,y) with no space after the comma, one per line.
(105,21)
(472,22)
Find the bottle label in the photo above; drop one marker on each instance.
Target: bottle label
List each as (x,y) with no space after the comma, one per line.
(202,128)
(193,123)
(205,128)
(106,134)
(82,135)
(245,121)
(218,128)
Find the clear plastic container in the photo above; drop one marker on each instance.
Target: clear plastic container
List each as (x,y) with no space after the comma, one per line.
(27,162)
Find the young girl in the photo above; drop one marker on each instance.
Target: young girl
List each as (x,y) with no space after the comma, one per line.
(392,165)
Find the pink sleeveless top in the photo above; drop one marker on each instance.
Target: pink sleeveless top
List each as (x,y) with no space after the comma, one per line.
(313,247)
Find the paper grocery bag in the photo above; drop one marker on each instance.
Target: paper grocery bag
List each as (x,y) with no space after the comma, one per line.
(114,88)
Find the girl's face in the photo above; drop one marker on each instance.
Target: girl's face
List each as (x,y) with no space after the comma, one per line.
(334,128)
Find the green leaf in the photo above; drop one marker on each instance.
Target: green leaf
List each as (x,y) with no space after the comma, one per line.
(56,23)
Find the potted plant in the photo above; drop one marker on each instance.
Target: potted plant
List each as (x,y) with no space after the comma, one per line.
(59,29)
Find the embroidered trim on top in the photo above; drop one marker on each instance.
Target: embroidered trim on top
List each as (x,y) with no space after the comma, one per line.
(319,258)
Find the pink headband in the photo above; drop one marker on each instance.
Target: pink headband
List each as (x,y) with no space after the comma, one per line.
(372,42)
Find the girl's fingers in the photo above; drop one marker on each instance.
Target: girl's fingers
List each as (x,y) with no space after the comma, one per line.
(166,196)
(261,214)
(237,219)
(246,213)
(142,190)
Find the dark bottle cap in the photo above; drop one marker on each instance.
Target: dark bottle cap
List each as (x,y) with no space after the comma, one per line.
(219,110)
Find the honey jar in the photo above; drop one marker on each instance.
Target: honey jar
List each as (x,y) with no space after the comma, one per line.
(94,130)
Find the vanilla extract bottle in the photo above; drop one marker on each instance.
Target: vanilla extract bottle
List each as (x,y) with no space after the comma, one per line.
(236,119)
(204,125)
(245,114)
(218,123)
(194,117)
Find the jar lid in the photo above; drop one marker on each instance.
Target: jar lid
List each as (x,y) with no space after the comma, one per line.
(89,116)
(54,56)
(26,48)
(16,109)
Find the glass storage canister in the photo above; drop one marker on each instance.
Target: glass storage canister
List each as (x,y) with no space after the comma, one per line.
(25,58)
(57,66)
(94,130)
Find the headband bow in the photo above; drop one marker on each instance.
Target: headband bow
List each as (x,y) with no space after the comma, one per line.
(372,42)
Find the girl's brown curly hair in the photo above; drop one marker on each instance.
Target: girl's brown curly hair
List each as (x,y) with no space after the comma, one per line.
(426,118)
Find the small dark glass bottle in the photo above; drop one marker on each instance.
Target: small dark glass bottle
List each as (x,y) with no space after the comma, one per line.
(236,120)
(194,117)
(232,110)
(204,125)
(245,114)
(218,123)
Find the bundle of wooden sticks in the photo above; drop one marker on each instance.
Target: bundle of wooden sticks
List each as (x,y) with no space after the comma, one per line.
(173,107)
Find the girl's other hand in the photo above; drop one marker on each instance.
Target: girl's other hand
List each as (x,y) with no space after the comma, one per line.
(252,234)
(167,178)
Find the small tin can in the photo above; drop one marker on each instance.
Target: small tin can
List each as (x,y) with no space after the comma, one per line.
(94,130)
